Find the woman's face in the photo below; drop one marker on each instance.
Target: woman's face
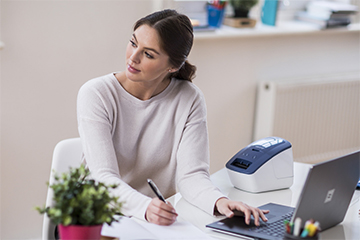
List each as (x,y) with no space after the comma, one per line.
(145,60)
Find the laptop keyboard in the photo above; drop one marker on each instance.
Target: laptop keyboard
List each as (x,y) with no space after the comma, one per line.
(276,229)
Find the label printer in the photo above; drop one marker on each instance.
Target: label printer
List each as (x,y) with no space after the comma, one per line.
(264,165)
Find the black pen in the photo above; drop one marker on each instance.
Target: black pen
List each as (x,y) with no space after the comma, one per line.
(156,190)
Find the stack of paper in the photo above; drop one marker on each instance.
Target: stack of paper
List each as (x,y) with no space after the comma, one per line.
(328,14)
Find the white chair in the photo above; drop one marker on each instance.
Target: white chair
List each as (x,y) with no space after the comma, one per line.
(67,153)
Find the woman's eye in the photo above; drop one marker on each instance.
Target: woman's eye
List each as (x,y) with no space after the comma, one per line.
(148,55)
(132,43)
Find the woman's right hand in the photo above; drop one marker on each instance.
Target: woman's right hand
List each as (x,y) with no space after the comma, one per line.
(160,213)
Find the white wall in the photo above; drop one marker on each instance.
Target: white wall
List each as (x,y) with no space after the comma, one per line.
(53,47)
(229,69)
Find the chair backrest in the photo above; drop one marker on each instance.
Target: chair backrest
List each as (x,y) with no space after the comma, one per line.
(67,153)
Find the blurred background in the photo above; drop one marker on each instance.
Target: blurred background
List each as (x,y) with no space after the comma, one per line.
(50,48)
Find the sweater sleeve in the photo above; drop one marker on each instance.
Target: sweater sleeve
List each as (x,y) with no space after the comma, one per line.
(193,176)
(94,114)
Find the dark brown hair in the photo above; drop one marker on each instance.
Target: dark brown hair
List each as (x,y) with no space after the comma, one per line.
(176,39)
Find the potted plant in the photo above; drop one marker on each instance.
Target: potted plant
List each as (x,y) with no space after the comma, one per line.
(81,205)
(241,9)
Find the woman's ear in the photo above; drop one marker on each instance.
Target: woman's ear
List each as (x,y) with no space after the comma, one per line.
(172,70)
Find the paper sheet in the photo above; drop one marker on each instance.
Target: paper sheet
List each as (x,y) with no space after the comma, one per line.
(178,230)
(131,229)
(126,229)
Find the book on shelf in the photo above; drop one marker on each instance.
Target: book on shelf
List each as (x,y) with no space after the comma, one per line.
(323,23)
(328,14)
(327,8)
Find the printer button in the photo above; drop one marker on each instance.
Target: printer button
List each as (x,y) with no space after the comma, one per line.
(257,149)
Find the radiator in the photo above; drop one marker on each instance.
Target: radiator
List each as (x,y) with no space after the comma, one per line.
(319,116)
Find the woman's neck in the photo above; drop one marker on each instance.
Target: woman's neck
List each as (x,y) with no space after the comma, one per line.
(141,90)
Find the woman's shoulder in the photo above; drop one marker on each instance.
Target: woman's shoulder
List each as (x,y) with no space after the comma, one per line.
(99,83)
(99,89)
(188,88)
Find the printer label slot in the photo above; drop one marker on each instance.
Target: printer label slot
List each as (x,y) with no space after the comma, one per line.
(241,163)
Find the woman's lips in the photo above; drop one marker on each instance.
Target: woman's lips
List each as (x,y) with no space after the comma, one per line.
(133,70)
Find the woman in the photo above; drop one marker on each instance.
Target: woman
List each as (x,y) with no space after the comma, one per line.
(149,121)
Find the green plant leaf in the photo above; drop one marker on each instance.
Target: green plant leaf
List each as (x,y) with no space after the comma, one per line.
(83,201)
(243,4)
(67,220)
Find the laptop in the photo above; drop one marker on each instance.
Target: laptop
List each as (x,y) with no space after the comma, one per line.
(325,197)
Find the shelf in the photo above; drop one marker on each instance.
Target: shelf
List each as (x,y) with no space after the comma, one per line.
(282,28)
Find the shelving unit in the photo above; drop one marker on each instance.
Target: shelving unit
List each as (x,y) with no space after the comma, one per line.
(282,28)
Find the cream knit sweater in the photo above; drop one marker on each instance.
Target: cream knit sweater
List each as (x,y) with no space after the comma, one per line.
(127,140)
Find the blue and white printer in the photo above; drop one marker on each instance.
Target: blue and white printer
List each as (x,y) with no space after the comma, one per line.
(264,165)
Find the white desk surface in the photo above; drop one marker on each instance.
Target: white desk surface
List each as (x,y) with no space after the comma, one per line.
(348,229)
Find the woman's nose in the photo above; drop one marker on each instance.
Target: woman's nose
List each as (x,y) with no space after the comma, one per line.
(135,57)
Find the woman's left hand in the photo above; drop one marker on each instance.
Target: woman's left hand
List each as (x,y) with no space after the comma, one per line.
(227,207)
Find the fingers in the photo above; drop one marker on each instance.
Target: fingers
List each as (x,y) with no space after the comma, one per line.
(256,213)
(223,208)
(160,213)
(228,213)
(262,215)
(228,207)
(247,212)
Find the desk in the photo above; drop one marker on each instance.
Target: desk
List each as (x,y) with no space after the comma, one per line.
(348,229)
